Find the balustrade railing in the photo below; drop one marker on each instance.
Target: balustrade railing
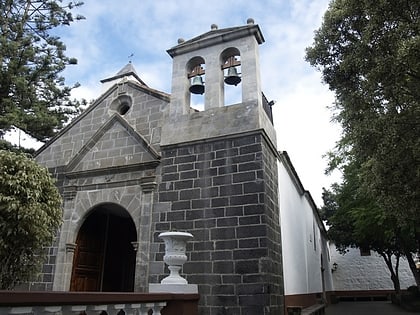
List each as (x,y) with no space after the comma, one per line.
(98,303)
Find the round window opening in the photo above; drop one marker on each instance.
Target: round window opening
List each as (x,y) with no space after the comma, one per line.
(123,108)
(121,105)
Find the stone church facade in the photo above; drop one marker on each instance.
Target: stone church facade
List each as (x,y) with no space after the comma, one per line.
(139,162)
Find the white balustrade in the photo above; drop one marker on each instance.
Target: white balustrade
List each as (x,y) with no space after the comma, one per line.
(103,309)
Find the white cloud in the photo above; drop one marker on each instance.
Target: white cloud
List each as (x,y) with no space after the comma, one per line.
(22,139)
(304,130)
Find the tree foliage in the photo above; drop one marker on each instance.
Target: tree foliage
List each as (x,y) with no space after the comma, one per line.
(369,55)
(33,95)
(356,220)
(30,215)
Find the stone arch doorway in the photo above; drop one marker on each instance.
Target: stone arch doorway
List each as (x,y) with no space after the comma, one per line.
(104,259)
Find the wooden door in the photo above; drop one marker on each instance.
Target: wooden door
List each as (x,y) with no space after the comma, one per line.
(105,259)
(89,254)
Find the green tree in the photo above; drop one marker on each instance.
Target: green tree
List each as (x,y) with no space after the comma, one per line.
(330,205)
(33,95)
(30,215)
(356,220)
(369,55)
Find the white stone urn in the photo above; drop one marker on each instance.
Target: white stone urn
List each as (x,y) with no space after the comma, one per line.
(175,247)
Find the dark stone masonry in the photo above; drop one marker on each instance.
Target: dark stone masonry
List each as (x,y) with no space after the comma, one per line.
(224,192)
(139,162)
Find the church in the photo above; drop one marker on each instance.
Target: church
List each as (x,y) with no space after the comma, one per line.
(138,162)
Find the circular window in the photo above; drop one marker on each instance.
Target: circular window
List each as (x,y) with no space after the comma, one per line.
(123,108)
(121,105)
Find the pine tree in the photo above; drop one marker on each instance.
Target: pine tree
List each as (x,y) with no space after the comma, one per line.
(33,94)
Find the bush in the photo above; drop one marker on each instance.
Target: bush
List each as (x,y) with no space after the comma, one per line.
(30,215)
(414,291)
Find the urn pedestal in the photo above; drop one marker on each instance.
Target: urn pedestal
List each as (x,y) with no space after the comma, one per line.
(175,256)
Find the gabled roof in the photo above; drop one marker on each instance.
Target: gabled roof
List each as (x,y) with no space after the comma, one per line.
(126,71)
(215,36)
(81,163)
(143,88)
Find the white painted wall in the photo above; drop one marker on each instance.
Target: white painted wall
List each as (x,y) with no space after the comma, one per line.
(327,264)
(302,239)
(356,272)
(304,242)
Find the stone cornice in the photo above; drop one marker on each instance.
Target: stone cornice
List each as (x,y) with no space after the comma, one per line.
(216,37)
(113,170)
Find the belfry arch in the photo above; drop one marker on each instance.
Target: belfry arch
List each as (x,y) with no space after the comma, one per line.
(230,60)
(196,74)
(105,256)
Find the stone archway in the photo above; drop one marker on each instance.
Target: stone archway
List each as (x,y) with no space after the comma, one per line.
(104,259)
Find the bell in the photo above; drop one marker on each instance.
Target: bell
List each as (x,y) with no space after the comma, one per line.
(197,86)
(232,77)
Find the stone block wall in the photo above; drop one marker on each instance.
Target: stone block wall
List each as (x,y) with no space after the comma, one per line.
(107,144)
(145,116)
(366,273)
(224,192)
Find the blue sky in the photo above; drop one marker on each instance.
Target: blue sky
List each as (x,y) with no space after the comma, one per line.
(113,30)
